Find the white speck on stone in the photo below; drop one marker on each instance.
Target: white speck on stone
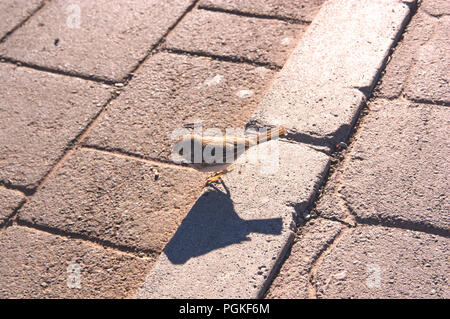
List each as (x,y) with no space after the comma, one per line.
(341,276)
(286,41)
(214,81)
(244,94)
(261,71)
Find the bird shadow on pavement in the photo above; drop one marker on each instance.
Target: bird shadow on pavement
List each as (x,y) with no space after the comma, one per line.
(213,223)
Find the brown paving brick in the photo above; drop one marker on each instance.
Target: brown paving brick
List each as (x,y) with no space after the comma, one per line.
(398,167)
(379,262)
(436,7)
(115,199)
(9,201)
(41,114)
(304,10)
(172,90)
(312,239)
(13,12)
(35,264)
(431,77)
(418,32)
(217,33)
(110,40)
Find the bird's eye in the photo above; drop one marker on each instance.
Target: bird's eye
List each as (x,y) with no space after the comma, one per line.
(180,152)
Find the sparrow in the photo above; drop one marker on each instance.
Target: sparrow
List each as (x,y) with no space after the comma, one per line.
(217,153)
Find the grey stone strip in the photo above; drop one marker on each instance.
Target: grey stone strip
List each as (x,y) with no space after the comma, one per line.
(324,84)
(238,232)
(235,235)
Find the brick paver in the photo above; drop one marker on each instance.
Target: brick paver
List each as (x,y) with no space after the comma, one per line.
(380,262)
(417,33)
(387,179)
(217,33)
(13,12)
(318,94)
(115,199)
(436,7)
(430,77)
(35,264)
(9,201)
(93,38)
(293,279)
(173,90)
(304,10)
(42,113)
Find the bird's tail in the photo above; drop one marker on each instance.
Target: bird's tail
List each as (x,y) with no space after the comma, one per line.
(271,134)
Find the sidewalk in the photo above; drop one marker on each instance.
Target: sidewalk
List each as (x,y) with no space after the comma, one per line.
(380,228)
(91,206)
(91,94)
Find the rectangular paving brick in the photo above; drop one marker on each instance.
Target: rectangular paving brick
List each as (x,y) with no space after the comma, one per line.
(13,12)
(381,262)
(313,238)
(417,33)
(238,232)
(172,90)
(398,172)
(303,10)
(217,33)
(9,201)
(42,113)
(436,7)
(115,199)
(318,94)
(35,264)
(430,76)
(93,38)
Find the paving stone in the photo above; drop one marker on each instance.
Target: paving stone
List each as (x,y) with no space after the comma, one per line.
(291,9)
(313,238)
(115,199)
(217,33)
(35,264)
(316,95)
(430,78)
(42,113)
(418,32)
(398,173)
(436,7)
(9,201)
(380,262)
(238,232)
(13,12)
(93,38)
(173,90)
(331,204)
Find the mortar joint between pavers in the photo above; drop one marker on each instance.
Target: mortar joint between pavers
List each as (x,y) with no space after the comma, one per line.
(254,15)
(36,67)
(21,23)
(318,257)
(104,244)
(157,47)
(223,58)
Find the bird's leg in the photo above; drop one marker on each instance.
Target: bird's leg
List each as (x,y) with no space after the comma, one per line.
(217,176)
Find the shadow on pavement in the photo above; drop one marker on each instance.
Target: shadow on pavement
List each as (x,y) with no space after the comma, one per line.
(213,223)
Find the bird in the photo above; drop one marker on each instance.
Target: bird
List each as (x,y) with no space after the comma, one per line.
(217,153)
